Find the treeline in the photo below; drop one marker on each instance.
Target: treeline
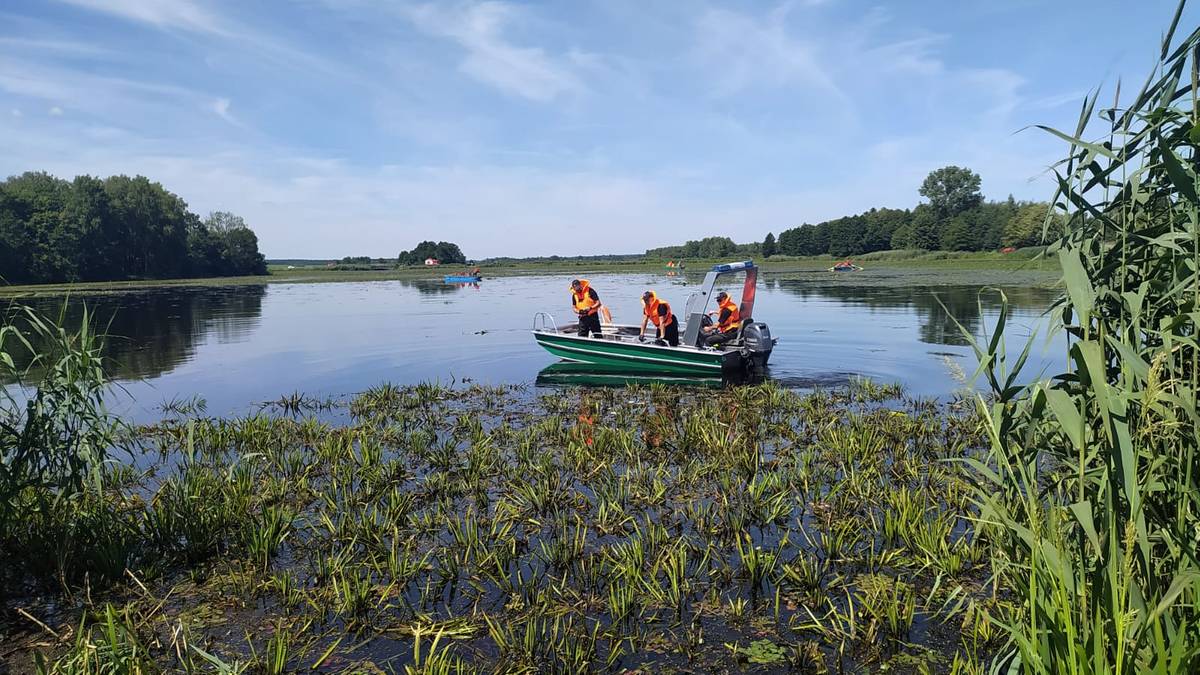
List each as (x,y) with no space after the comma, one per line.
(955,218)
(363,263)
(91,229)
(441,251)
(985,227)
(603,257)
(709,247)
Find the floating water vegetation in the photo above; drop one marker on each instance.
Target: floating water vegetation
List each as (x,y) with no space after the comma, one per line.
(487,529)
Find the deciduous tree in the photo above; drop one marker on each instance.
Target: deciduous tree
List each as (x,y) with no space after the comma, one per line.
(951,190)
(768,246)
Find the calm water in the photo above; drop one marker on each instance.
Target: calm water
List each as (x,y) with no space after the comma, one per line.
(239,346)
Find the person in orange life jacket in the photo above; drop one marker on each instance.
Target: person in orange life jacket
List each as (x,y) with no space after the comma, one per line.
(586,302)
(659,312)
(729,320)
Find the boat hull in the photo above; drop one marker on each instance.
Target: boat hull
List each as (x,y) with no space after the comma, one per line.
(460,280)
(637,356)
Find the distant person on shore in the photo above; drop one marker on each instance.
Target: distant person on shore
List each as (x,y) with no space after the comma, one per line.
(586,302)
(659,312)
(729,320)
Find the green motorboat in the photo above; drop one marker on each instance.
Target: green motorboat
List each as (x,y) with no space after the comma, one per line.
(618,347)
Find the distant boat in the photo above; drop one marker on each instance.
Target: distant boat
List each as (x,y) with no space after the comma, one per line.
(845,266)
(454,279)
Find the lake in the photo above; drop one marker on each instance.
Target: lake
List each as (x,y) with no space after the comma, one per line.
(239,346)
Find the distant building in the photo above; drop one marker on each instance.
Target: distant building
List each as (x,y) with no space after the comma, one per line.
(432,261)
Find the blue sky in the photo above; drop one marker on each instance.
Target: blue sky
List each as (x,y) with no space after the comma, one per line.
(360,127)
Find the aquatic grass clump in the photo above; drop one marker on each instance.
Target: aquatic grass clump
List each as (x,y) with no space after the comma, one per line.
(54,438)
(543,542)
(110,643)
(65,511)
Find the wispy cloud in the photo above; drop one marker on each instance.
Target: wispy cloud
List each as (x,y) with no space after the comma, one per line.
(915,56)
(59,84)
(221,108)
(479,29)
(180,14)
(745,51)
(65,47)
(1056,100)
(193,17)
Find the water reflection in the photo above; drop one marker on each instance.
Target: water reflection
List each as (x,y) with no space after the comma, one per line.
(153,332)
(939,309)
(566,373)
(434,287)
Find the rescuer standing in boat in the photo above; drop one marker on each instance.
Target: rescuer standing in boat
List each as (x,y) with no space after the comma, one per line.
(659,312)
(729,320)
(586,302)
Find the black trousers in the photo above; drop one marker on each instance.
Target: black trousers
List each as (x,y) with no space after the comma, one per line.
(720,338)
(671,332)
(589,324)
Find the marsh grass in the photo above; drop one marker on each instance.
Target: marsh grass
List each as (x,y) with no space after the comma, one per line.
(439,529)
(53,438)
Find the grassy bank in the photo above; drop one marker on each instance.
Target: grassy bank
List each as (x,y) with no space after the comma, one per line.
(895,267)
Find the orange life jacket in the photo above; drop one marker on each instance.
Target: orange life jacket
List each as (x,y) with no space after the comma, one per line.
(582,299)
(734,320)
(651,310)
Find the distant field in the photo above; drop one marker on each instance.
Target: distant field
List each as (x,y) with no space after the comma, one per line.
(885,268)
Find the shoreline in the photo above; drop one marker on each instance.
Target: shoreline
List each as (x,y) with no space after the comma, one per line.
(908,270)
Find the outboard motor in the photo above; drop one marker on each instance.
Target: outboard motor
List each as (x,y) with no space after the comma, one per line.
(757,344)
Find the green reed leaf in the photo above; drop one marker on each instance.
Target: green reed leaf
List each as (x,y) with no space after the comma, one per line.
(1079,287)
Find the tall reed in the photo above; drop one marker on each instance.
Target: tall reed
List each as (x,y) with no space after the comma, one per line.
(1091,491)
(54,430)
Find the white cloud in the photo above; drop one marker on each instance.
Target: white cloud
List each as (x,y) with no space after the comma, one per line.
(56,111)
(478,27)
(15,112)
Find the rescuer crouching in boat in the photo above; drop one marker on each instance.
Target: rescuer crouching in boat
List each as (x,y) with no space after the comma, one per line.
(586,302)
(729,320)
(659,313)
